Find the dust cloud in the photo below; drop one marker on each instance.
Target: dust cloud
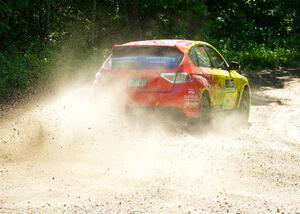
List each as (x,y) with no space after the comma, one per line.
(80,150)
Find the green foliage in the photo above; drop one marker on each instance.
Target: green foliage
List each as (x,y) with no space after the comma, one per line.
(22,73)
(4,9)
(258,57)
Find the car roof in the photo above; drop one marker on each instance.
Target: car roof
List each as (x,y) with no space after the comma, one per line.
(181,44)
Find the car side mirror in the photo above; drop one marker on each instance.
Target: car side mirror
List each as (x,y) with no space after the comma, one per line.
(234,66)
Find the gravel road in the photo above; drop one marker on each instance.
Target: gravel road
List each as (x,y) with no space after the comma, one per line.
(77,154)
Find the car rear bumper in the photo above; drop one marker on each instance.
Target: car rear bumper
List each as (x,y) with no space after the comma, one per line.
(181,97)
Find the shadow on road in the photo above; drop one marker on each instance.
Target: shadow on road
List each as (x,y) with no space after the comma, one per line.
(275,78)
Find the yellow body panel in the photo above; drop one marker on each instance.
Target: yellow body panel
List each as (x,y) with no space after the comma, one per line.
(227,87)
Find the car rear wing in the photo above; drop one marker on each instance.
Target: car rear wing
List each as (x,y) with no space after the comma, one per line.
(181,49)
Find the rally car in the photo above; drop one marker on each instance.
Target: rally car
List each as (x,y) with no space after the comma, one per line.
(190,76)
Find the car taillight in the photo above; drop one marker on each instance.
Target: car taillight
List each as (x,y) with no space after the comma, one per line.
(178,78)
(170,77)
(183,78)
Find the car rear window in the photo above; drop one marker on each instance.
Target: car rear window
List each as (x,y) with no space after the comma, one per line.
(145,58)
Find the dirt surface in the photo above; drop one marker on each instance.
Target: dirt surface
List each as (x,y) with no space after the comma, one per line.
(76,153)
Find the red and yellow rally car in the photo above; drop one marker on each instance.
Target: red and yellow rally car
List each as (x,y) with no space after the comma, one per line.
(191,76)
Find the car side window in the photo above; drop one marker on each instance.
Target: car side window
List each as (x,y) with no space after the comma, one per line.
(202,57)
(215,58)
(193,56)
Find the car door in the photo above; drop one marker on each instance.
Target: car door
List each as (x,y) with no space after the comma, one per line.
(202,68)
(222,80)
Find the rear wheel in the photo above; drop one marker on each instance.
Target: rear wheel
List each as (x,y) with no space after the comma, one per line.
(244,108)
(204,110)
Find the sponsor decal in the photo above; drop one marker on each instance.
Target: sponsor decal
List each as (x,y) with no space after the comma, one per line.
(191,101)
(191,91)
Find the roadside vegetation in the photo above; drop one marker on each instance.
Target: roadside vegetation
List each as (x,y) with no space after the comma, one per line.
(49,42)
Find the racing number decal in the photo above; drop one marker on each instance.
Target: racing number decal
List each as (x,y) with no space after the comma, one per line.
(224,89)
(230,84)
(230,94)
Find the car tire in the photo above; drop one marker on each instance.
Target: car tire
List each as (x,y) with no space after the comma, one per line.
(204,110)
(244,108)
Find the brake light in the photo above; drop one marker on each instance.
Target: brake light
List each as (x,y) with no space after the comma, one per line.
(183,78)
(177,78)
(170,77)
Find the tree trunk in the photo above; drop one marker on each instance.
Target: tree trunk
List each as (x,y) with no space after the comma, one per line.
(48,18)
(137,17)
